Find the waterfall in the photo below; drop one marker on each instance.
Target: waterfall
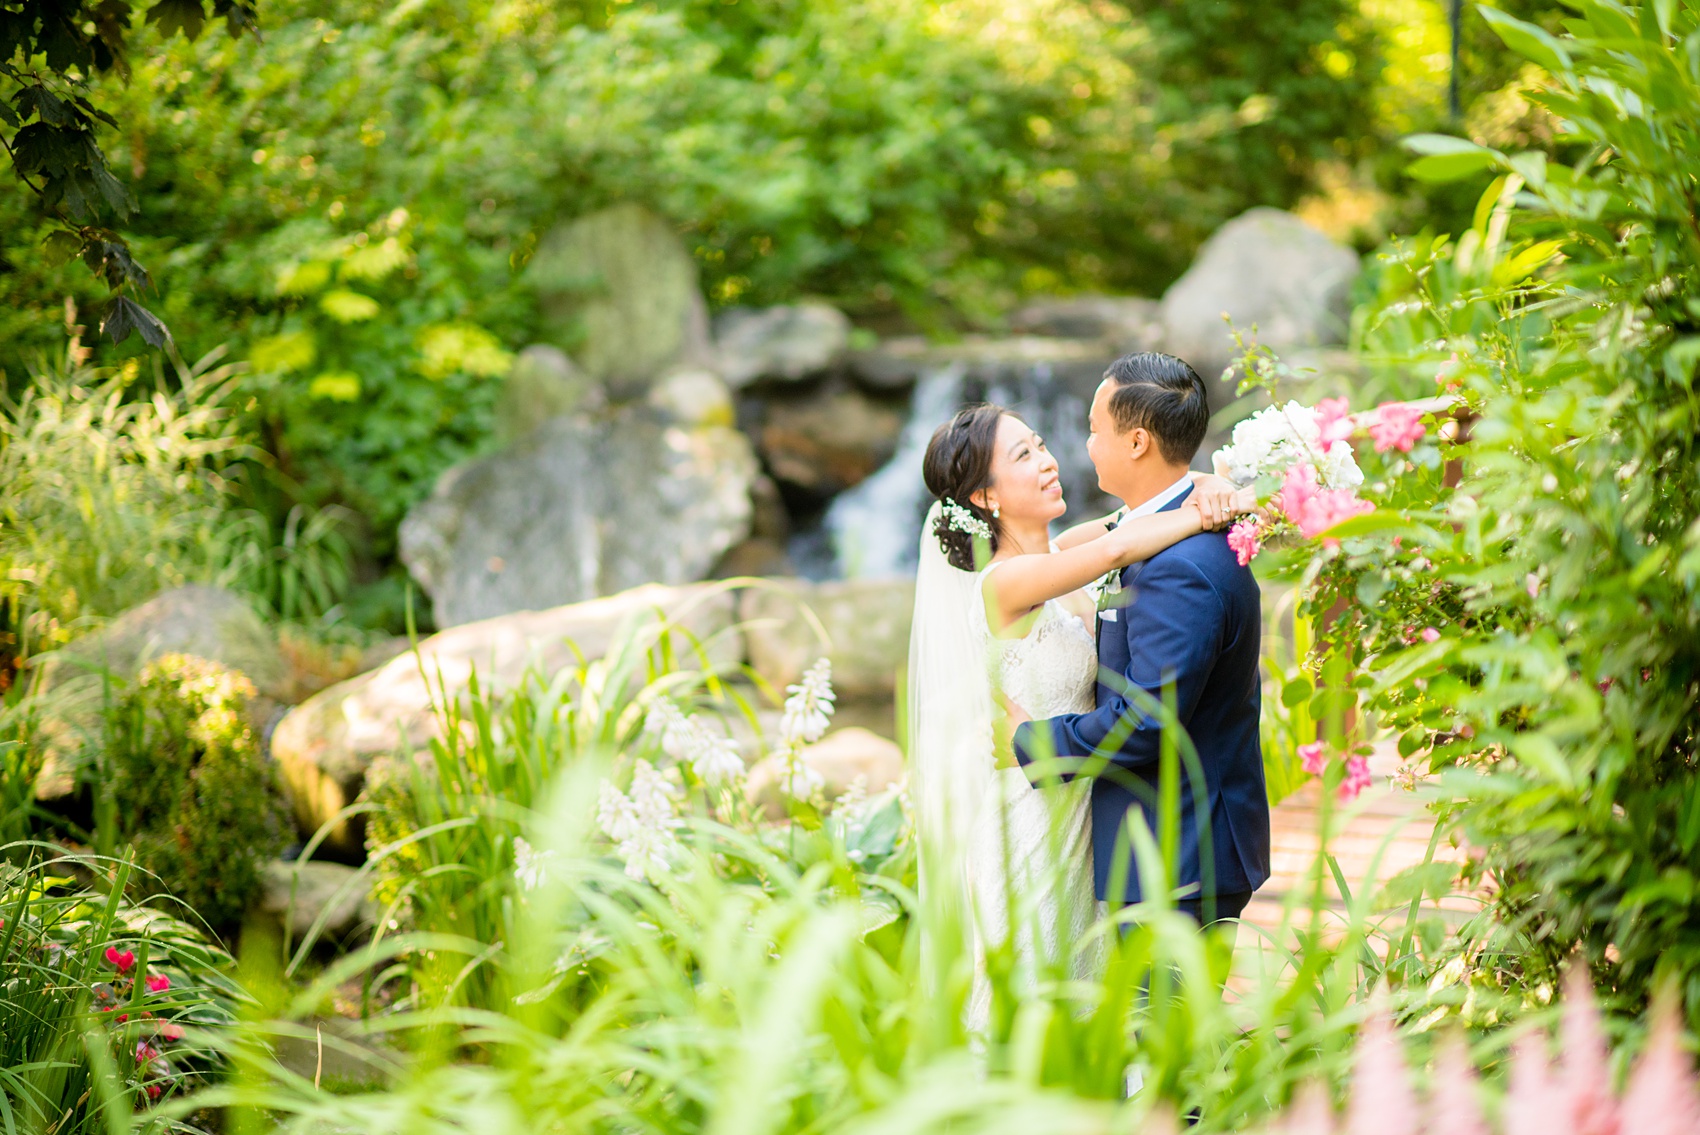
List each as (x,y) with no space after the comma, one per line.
(874,526)
(870,531)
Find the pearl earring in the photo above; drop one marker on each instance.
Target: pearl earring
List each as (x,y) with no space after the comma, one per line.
(994,512)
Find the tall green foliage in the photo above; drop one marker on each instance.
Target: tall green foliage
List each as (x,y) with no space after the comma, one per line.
(1561,580)
(114,486)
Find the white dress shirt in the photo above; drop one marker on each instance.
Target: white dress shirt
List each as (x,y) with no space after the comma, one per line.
(1146,509)
(1157,502)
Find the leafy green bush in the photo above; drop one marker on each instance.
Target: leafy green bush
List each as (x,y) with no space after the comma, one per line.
(1536,633)
(190,790)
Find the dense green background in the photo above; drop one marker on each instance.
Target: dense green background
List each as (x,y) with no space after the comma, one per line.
(350,202)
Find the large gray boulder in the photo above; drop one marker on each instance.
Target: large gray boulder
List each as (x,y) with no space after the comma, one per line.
(621,293)
(324,745)
(1264,267)
(865,621)
(780,344)
(207,622)
(578,509)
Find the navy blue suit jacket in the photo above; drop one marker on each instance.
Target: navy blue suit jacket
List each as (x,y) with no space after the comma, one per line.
(1191,615)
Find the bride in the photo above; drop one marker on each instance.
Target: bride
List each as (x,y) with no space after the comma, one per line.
(999,613)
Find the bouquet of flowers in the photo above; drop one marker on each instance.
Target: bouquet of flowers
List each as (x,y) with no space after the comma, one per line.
(1301,460)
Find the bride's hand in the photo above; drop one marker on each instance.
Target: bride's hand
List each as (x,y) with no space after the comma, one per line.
(1003,746)
(1217,499)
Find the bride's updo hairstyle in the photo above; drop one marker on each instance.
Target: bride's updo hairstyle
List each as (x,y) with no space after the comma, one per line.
(958,465)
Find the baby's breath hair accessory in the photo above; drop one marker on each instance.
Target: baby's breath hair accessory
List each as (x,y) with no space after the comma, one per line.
(962,520)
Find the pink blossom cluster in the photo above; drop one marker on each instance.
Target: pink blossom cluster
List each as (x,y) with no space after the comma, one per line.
(1572,1096)
(1315,509)
(1397,425)
(1334,421)
(1246,539)
(1313,758)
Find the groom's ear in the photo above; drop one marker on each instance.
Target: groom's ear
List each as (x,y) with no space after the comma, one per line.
(1139,442)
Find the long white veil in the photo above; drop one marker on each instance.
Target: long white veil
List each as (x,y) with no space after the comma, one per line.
(950,723)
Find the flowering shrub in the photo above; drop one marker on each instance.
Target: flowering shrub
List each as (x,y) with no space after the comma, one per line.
(83,967)
(1301,460)
(189,787)
(1524,609)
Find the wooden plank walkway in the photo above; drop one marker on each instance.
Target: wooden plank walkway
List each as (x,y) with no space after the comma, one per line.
(1385,831)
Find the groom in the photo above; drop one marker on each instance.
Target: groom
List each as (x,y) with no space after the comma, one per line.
(1190,617)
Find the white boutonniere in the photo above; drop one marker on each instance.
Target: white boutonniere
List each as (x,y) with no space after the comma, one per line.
(1110,583)
(1104,587)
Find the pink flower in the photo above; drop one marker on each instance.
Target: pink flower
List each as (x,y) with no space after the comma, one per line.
(1430,635)
(158,983)
(1453,1106)
(171,1032)
(1532,584)
(1312,758)
(1357,778)
(1586,1064)
(1383,1102)
(124,960)
(1314,509)
(145,1052)
(1333,421)
(1243,539)
(1397,425)
(1660,1095)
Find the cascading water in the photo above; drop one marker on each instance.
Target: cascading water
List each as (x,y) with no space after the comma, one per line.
(870,531)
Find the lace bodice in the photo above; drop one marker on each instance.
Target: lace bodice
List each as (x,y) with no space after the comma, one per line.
(1052,669)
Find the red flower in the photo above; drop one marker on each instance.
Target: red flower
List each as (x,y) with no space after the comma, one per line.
(171,1032)
(124,960)
(122,1017)
(158,983)
(153,1091)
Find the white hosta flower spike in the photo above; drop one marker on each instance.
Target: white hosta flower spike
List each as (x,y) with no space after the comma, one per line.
(715,760)
(810,706)
(531,866)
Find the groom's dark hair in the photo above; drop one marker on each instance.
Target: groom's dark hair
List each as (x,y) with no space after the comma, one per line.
(1164,395)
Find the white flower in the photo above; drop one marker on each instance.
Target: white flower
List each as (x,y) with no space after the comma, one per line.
(668,726)
(655,796)
(809,707)
(713,758)
(800,782)
(641,825)
(531,867)
(1278,437)
(616,815)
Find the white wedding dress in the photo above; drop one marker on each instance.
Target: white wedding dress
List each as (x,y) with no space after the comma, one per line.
(1021,856)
